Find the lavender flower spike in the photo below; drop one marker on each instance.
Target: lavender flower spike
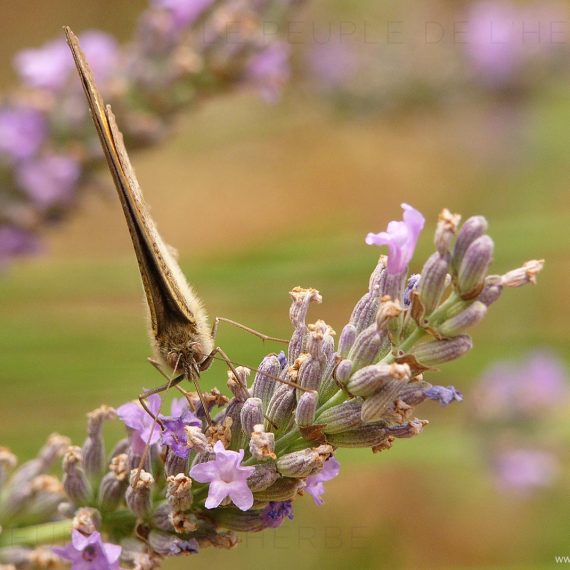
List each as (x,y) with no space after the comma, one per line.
(90,552)
(444,395)
(134,417)
(401,238)
(227,478)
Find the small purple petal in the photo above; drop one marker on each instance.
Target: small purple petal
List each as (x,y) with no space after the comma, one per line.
(444,395)
(314,484)
(15,241)
(401,239)
(47,67)
(90,552)
(275,512)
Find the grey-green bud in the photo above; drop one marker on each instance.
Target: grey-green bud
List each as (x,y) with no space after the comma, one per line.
(371,379)
(471,316)
(346,340)
(436,352)
(432,283)
(264,382)
(263,477)
(345,416)
(374,408)
(75,482)
(306,407)
(303,463)
(365,436)
(284,489)
(474,267)
(251,415)
(280,409)
(472,229)
(138,492)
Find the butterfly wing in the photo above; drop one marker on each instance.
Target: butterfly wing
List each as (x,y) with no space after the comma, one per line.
(171,300)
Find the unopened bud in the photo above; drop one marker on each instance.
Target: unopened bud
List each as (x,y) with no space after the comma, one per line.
(371,379)
(523,275)
(280,409)
(240,521)
(264,382)
(491,291)
(93,450)
(162,518)
(474,267)
(436,352)
(301,301)
(75,482)
(367,347)
(344,417)
(284,489)
(303,463)
(342,371)
(196,439)
(346,340)
(238,384)
(472,229)
(471,316)
(447,225)
(309,376)
(387,311)
(251,414)
(375,407)
(410,429)
(306,407)
(166,544)
(365,310)
(364,436)
(433,281)
(111,491)
(183,523)
(138,493)
(263,477)
(87,520)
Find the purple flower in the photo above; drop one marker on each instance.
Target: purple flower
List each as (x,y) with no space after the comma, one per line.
(101,51)
(401,239)
(268,70)
(90,552)
(185,12)
(444,395)
(15,241)
(282,359)
(528,388)
(46,67)
(411,285)
(144,429)
(49,180)
(22,131)
(227,478)
(275,512)
(314,484)
(174,434)
(333,62)
(524,470)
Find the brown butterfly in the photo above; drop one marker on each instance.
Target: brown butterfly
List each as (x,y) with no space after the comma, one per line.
(179,330)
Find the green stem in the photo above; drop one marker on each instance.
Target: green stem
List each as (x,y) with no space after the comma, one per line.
(47,533)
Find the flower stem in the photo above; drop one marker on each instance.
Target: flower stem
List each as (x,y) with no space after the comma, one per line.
(48,533)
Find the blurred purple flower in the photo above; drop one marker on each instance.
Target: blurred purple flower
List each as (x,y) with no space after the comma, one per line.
(101,51)
(524,389)
(15,241)
(275,512)
(444,395)
(46,67)
(401,239)
(22,131)
(90,552)
(143,427)
(185,12)
(227,478)
(268,70)
(493,45)
(314,484)
(524,470)
(333,63)
(49,180)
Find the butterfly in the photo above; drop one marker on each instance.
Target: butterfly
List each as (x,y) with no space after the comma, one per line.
(179,327)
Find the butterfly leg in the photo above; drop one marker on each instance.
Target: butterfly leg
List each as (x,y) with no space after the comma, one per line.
(245,328)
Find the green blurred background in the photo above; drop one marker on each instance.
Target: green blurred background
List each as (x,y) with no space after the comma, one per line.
(258,199)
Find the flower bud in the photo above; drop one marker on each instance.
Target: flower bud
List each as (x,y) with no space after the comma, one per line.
(410,429)
(491,291)
(112,490)
(306,407)
(309,376)
(370,379)
(471,316)
(343,417)
(365,310)
(175,464)
(263,477)
(436,352)
(474,267)
(411,286)
(364,436)
(46,495)
(319,334)
(297,343)
(75,482)
(447,225)
(179,492)
(93,450)
(303,463)
(284,489)
(388,311)
(233,413)
(432,282)
(367,347)
(393,286)
(241,521)
(523,275)
(7,462)
(183,523)
(238,385)
(166,544)
(87,520)
(472,229)
(162,518)
(196,439)
(346,340)
(138,493)
(251,415)
(374,408)
(262,443)
(280,409)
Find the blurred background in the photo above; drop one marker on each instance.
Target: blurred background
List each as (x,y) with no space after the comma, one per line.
(463,105)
